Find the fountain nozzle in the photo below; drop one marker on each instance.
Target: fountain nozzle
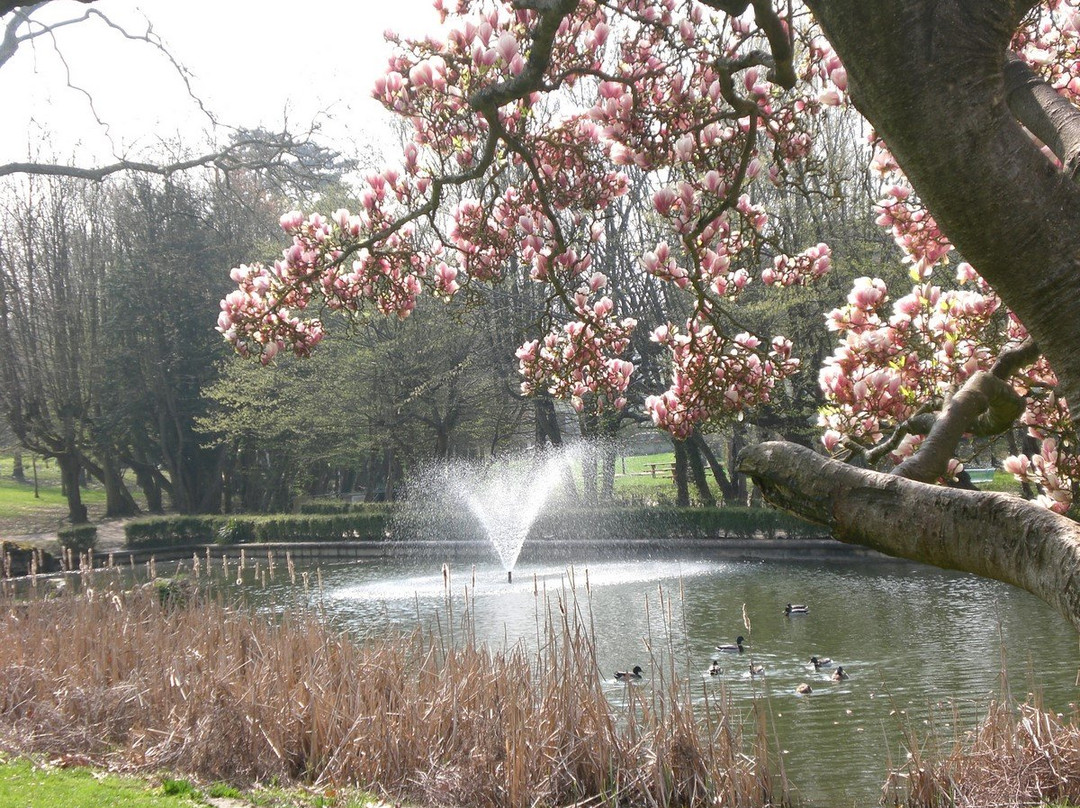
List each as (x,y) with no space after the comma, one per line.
(509,576)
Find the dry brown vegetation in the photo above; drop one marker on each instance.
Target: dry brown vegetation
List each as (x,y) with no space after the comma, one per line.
(1017,756)
(132,679)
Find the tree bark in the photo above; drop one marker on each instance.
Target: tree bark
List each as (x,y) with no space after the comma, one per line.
(682,487)
(70,469)
(697,471)
(986,533)
(930,78)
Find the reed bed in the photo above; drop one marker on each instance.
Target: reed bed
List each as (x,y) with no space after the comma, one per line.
(1017,756)
(130,679)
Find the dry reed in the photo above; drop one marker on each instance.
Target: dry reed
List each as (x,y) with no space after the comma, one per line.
(1017,756)
(130,679)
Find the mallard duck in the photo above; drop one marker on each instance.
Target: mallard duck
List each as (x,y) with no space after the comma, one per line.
(629,676)
(757,670)
(714,668)
(820,662)
(798,608)
(737,648)
(839,674)
(804,689)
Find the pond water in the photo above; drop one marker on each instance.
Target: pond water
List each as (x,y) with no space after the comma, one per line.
(920,644)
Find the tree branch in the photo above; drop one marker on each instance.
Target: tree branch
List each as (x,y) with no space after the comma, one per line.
(986,533)
(7,6)
(232,158)
(986,405)
(1044,112)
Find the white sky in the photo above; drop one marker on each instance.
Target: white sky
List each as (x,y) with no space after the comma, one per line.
(253,62)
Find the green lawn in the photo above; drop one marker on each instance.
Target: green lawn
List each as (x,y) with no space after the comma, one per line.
(24,784)
(22,512)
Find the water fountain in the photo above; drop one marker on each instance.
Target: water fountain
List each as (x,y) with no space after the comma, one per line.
(505,496)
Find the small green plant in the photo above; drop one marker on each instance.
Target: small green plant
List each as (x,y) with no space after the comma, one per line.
(224,790)
(178,788)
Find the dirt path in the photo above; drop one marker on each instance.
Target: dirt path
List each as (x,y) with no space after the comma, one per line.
(110,537)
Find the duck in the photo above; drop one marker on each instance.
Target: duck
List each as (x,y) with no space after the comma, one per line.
(820,662)
(804,689)
(839,674)
(737,648)
(757,670)
(798,608)
(629,676)
(714,668)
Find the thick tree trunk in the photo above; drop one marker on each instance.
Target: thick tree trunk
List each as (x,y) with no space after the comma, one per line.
(17,470)
(697,471)
(931,79)
(729,491)
(70,470)
(985,533)
(682,487)
(118,500)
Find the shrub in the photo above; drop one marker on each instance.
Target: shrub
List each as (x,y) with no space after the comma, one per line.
(78,538)
(171,531)
(236,530)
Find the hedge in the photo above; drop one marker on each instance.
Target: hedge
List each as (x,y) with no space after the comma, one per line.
(373,524)
(178,531)
(658,521)
(78,538)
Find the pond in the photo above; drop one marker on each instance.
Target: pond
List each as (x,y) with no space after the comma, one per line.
(920,644)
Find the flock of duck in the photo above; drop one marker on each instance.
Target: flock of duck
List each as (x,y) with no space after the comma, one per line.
(738,647)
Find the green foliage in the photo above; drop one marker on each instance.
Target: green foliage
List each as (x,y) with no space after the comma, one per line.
(218,790)
(171,531)
(235,531)
(179,788)
(615,523)
(178,531)
(78,538)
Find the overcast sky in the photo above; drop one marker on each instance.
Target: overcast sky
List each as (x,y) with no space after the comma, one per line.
(253,62)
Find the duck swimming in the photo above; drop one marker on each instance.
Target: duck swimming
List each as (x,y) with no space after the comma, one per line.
(714,668)
(757,670)
(798,608)
(629,676)
(839,674)
(819,663)
(732,649)
(804,689)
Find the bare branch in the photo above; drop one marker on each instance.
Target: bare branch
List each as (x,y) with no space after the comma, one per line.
(7,6)
(234,157)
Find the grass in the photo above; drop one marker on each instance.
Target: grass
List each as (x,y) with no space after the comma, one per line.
(21,512)
(26,784)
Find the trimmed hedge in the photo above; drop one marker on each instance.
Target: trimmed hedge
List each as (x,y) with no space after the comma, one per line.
(613,523)
(78,538)
(374,524)
(178,531)
(171,531)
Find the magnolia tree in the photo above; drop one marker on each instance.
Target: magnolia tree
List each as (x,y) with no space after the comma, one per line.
(523,117)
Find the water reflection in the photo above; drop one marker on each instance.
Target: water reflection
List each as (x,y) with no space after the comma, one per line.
(920,644)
